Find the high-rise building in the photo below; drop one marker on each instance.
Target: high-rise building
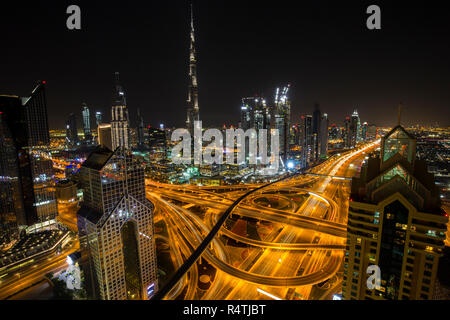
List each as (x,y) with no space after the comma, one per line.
(104,135)
(42,167)
(364,131)
(306,140)
(86,114)
(140,130)
(16,166)
(120,124)
(72,131)
(395,222)
(12,212)
(193,111)
(26,160)
(316,121)
(282,119)
(347,134)
(355,129)
(247,113)
(323,135)
(98,118)
(115,224)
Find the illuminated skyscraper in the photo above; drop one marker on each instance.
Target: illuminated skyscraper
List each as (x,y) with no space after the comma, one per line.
(140,130)
(120,124)
(306,140)
(323,136)
(355,129)
(104,135)
(282,119)
(86,114)
(72,131)
(192,101)
(395,222)
(316,120)
(347,134)
(98,118)
(115,224)
(12,211)
(25,123)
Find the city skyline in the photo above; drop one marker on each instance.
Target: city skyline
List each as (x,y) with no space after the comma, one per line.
(242,50)
(224,150)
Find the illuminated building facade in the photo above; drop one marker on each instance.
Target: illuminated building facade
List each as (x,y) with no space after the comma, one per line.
(316,120)
(12,211)
(115,224)
(140,130)
(193,111)
(120,124)
(395,222)
(323,136)
(282,119)
(72,131)
(98,118)
(104,135)
(86,114)
(27,167)
(306,140)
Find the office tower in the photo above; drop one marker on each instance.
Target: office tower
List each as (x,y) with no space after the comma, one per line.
(282,120)
(120,127)
(115,224)
(247,113)
(157,143)
(11,201)
(36,116)
(140,130)
(316,120)
(72,131)
(364,131)
(262,114)
(192,101)
(104,135)
(42,167)
(24,121)
(334,133)
(395,222)
(98,118)
(15,128)
(306,140)
(323,134)
(86,116)
(355,129)
(66,191)
(347,135)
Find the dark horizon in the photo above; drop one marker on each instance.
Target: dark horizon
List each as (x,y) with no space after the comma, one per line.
(244,48)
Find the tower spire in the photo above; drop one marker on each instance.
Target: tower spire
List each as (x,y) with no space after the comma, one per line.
(192,101)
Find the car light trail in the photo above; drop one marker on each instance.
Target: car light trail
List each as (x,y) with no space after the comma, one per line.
(268,294)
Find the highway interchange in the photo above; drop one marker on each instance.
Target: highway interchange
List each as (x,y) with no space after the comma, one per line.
(305,217)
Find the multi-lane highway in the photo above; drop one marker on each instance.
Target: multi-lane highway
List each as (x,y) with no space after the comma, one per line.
(306,215)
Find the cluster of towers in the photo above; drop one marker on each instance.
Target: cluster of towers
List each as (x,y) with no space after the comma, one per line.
(354,132)
(257,113)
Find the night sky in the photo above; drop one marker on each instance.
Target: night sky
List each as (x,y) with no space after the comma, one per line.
(322,48)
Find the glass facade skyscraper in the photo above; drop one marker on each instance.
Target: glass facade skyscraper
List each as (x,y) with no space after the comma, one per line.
(120,123)
(27,173)
(395,222)
(115,224)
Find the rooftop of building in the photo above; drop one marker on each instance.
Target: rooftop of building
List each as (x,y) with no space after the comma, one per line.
(397,168)
(98,158)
